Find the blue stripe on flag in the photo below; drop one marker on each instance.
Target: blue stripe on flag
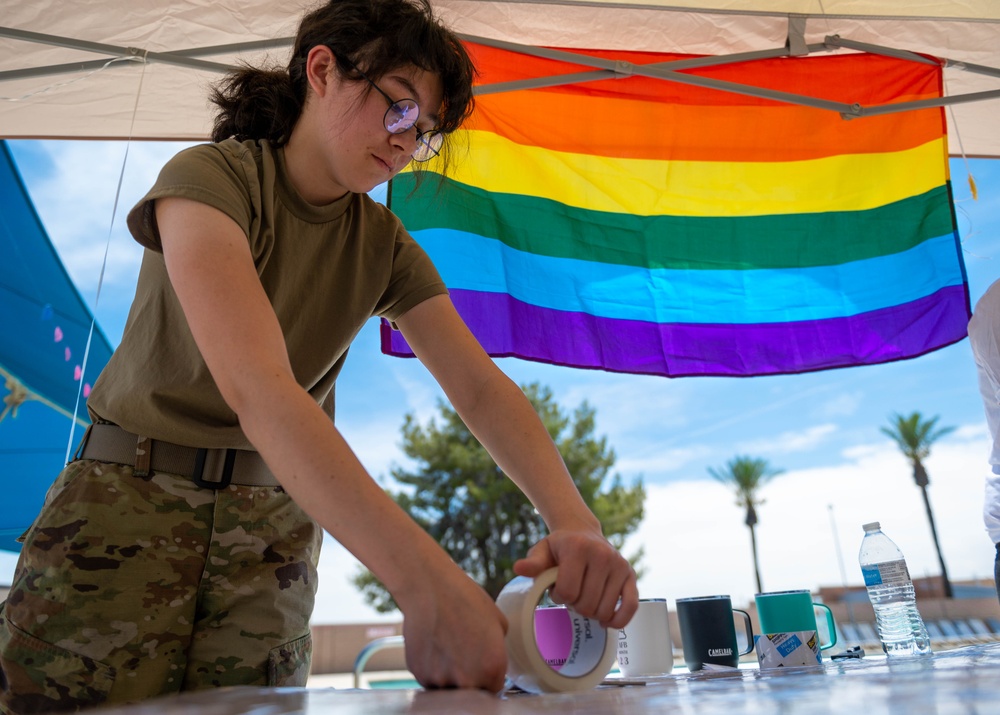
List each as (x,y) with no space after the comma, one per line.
(471,262)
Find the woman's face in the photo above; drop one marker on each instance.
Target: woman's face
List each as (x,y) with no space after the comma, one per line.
(359,151)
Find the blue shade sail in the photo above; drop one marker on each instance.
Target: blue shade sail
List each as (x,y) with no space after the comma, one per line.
(44,326)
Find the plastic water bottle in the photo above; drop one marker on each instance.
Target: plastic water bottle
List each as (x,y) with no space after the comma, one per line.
(890,589)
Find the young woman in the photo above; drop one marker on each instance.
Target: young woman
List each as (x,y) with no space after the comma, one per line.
(178,551)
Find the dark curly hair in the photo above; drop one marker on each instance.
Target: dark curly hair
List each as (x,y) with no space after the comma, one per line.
(376,36)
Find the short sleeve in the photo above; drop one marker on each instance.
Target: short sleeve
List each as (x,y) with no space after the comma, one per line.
(223,176)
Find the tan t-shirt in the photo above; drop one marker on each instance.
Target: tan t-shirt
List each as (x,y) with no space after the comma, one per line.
(326,270)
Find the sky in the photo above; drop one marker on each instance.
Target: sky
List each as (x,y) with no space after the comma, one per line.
(822,429)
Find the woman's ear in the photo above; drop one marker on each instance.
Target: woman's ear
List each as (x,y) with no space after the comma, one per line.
(321,69)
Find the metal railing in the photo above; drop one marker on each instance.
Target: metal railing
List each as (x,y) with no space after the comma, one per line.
(370,649)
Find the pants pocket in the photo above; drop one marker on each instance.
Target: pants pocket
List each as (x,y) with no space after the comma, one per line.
(288,664)
(38,677)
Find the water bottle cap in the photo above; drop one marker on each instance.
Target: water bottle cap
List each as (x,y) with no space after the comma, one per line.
(874,526)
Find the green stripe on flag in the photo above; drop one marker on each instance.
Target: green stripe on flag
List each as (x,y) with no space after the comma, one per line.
(545,227)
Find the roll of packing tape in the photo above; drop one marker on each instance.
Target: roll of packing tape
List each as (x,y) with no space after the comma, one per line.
(591,655)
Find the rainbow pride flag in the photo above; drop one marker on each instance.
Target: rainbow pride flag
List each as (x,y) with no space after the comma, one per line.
(645,226)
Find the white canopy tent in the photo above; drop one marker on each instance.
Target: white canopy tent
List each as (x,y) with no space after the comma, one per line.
(141,69)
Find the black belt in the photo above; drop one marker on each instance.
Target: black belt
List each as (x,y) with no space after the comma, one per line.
(210,468)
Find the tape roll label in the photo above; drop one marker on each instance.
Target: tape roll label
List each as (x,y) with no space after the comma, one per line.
(588,646)
(591,655)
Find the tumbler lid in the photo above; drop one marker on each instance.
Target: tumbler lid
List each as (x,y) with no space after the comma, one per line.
(874,526)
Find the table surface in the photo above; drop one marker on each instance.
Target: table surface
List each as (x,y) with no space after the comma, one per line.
(964,680)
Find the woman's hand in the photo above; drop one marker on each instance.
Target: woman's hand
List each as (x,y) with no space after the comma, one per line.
(594,579)
(453,633)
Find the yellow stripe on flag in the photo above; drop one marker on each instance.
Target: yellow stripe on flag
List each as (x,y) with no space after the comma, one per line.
(699,188)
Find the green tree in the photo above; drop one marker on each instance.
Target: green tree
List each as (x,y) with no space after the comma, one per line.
(746,475)
(458,494)
(914,436)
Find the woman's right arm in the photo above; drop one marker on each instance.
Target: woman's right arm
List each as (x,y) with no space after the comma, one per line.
(212,272)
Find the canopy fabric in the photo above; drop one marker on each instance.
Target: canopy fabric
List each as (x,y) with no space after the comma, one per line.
(44,322)
(100,101)
(648,227)
(44,330)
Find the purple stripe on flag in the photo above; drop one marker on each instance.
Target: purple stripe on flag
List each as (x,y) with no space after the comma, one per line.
(678,350)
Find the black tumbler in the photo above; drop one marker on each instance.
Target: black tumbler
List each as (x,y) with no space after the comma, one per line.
(708,631)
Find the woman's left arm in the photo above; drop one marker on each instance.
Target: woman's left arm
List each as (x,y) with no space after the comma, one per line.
(593,577)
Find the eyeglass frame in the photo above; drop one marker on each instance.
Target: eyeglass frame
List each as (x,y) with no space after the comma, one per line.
(396,104)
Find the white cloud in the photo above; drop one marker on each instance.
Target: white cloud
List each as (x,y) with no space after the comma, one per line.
(743,406)
(861,451)
(970,432)
(787,442)
(655,463)
(615,399)
(842,405)
(420,393)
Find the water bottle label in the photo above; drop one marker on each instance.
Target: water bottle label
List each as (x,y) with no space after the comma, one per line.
(886,573)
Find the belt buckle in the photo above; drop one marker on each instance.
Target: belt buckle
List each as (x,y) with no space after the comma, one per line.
(226,475)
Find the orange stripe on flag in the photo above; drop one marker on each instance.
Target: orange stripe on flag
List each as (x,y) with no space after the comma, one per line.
(624,128)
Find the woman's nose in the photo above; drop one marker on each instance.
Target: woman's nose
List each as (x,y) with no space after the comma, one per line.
(406,140)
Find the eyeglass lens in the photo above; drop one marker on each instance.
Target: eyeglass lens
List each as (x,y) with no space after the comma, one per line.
(428,145)
(401,116)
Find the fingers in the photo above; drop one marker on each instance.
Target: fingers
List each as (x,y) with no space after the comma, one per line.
(539,559)
(486,671)
(594,580)
(627,607)
(489,673)
(592,591)
(570,584)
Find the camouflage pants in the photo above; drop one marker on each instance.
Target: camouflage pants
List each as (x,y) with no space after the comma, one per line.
(129,588)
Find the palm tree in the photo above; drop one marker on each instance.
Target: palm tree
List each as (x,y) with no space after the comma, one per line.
(746,475)
(914,437)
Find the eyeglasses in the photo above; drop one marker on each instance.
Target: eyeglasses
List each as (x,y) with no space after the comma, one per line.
(403,114)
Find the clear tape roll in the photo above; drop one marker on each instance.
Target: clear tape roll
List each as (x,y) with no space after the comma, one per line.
(590,658)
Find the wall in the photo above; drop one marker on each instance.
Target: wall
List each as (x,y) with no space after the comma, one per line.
(335,647)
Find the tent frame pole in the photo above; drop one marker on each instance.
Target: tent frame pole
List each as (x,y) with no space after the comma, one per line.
(603,68)
(183,58)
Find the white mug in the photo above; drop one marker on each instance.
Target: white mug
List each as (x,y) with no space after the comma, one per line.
(644,645)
